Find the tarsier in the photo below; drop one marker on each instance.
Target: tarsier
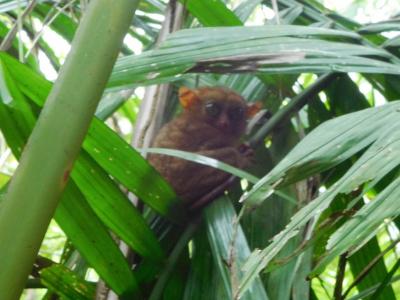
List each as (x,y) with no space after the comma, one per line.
(212,123)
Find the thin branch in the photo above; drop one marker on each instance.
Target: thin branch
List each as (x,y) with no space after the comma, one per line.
(116,126)
(232,257)
(294,105)
(276,10)
(173,258)
(392,239)
(386,281)
(4,156)
(7,42)
(368,268)
(322,283)
(300,126)
(372,289)
(337,294)
(47,24)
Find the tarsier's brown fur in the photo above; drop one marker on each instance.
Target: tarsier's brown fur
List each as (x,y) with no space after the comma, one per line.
(211,124)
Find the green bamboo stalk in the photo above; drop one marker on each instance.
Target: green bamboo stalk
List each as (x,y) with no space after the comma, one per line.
(55,142)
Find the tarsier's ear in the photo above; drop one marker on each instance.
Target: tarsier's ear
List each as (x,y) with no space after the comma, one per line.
(187,97)
(253,109)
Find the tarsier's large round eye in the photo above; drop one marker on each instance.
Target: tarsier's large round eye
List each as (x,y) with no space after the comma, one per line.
(213,109)
(236,113)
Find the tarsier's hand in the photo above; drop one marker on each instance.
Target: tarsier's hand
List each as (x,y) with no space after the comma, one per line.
(247,154)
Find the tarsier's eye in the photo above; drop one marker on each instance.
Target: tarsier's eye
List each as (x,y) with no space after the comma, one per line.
(213,109)
(236,113)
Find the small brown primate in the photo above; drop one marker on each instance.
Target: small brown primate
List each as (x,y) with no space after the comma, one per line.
(211,124)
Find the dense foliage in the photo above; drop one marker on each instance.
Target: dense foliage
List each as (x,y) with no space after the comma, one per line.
(317,216)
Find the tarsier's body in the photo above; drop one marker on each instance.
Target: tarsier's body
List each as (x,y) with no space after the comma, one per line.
(212,123)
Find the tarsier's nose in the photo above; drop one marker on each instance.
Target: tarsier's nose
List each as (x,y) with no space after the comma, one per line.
(223,122)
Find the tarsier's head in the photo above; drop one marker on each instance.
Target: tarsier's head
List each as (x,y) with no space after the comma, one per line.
(220,107)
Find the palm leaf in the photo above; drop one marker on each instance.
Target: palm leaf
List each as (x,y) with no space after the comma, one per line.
(336,142)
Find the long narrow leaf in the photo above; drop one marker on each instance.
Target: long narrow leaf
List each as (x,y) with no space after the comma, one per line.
(110,151)
(121,216)
(223,236)
(363,223)
(59,280)
(93,241)
(212,12)
(73,215)
(327,146)
(337,139)
(284,48)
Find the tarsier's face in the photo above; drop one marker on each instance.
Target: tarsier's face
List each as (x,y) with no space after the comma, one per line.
(223,109)
(225,116)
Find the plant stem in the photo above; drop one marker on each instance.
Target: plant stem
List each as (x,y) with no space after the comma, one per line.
(8,40)
(187,235)
(337,294)
(55,142)
(294,105)
(386,281)
(368,267)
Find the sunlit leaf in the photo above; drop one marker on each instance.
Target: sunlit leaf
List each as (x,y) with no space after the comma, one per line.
(392,25)
(60,280)
(204,160)
(212,12)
